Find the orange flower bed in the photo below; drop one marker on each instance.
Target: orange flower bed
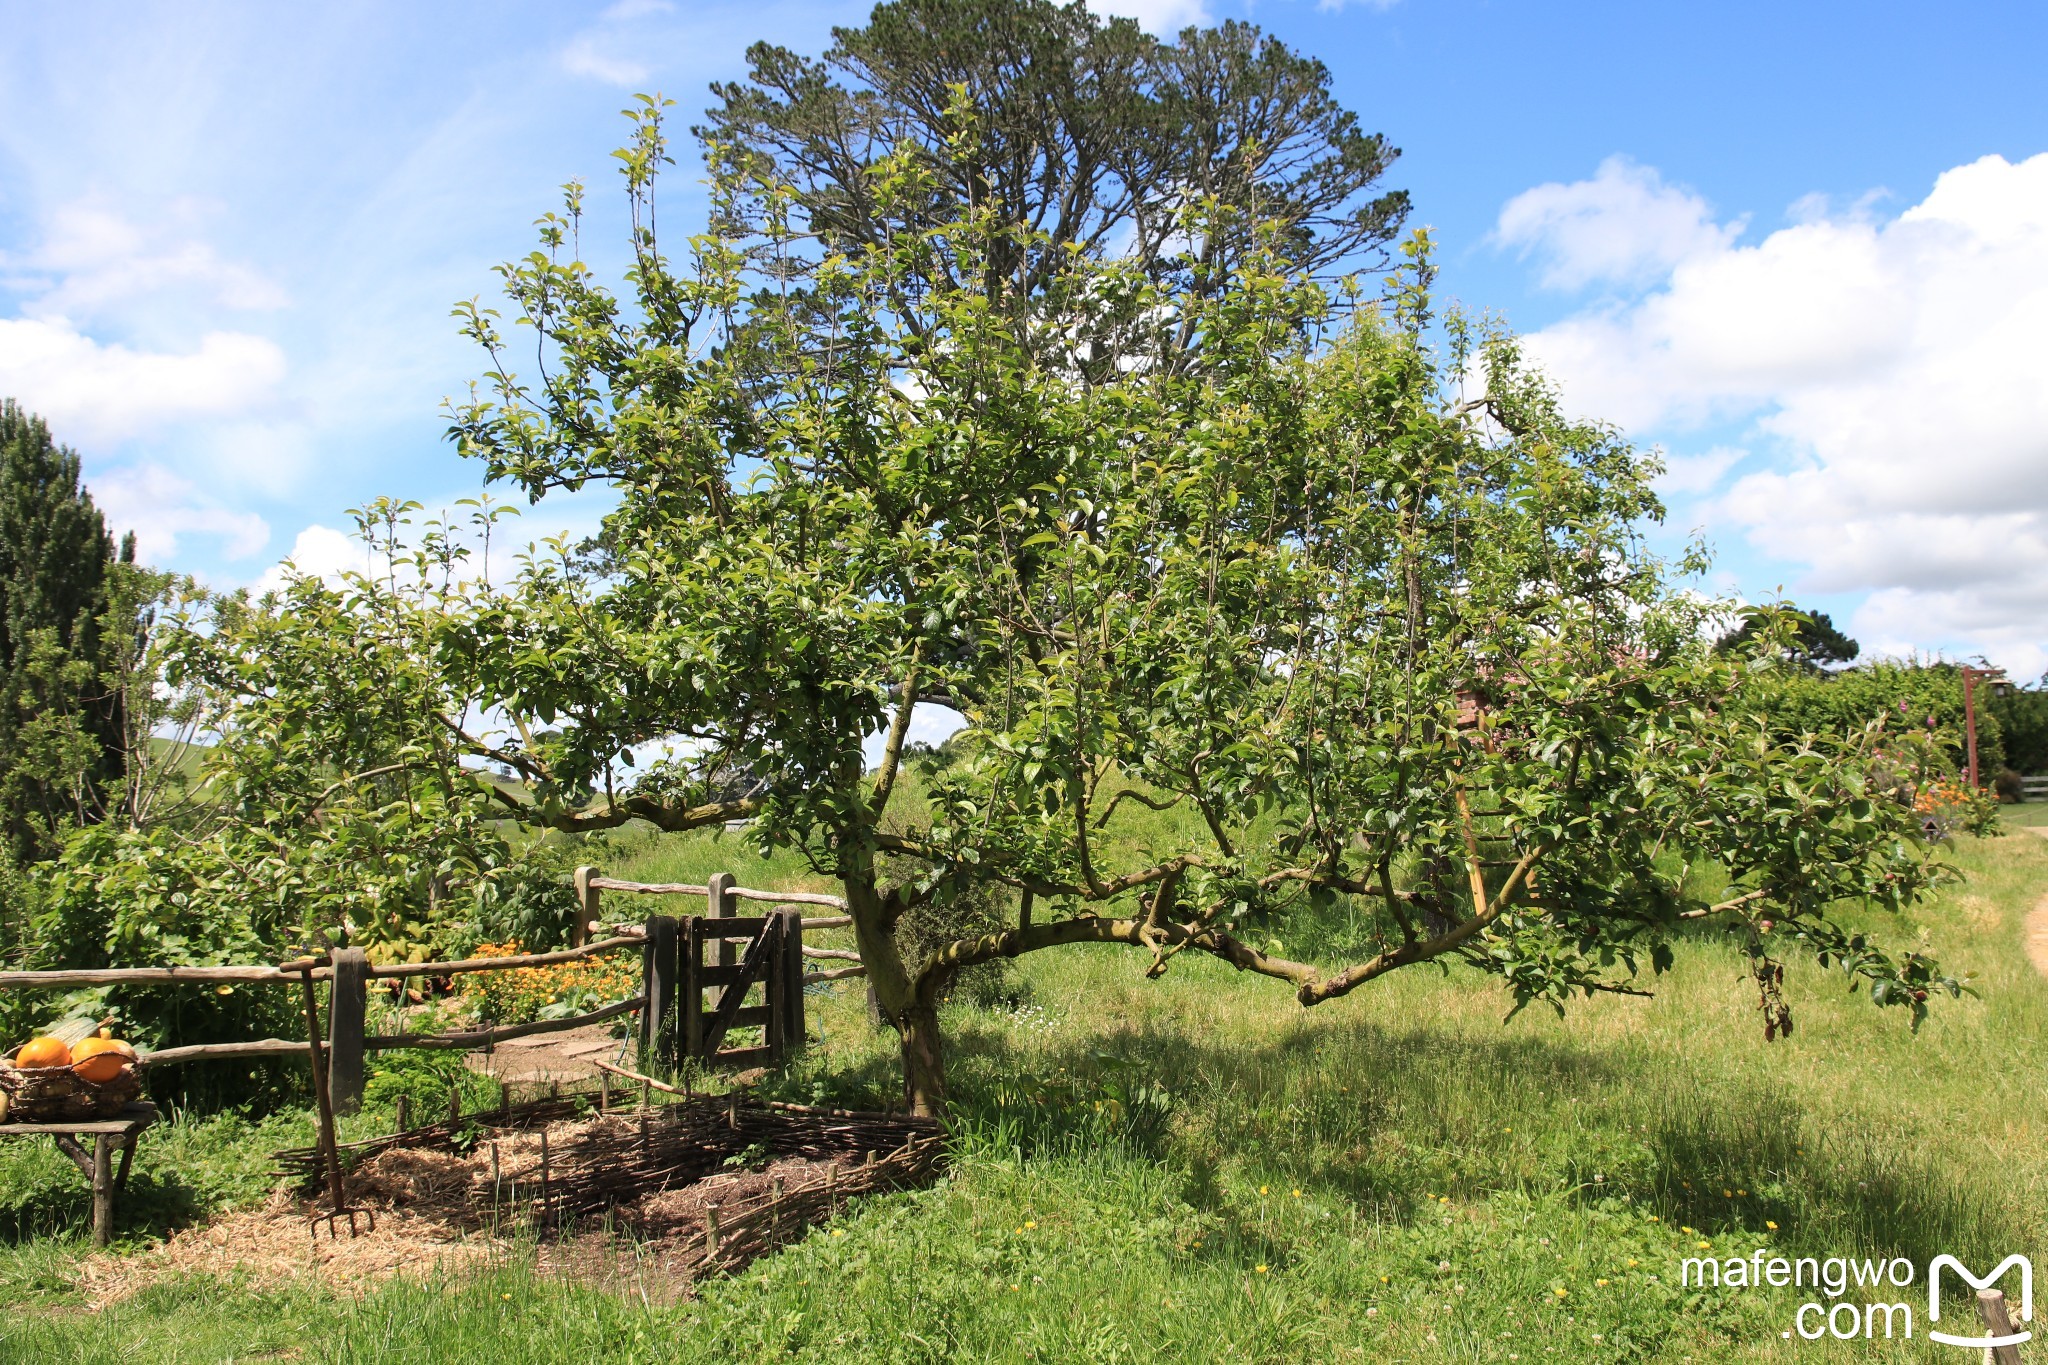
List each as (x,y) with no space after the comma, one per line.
(520,994)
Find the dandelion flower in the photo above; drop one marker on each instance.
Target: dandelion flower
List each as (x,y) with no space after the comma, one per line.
(1262,1189)
(1560,1291)
(1297,1194)
(1030,1223)
(1704,1246)
(1599,1282)
(1769,1224)
(1259,1269)
(839,1232)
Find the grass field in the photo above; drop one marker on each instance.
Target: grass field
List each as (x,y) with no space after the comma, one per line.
(1197,1169)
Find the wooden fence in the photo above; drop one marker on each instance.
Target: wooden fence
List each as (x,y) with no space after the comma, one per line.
(681,959)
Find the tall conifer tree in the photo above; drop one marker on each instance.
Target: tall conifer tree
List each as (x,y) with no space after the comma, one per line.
(60,727)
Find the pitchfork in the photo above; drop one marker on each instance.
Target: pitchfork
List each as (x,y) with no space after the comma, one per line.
(330,1152)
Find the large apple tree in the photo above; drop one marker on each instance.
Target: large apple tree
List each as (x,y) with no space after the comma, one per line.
(1326,573)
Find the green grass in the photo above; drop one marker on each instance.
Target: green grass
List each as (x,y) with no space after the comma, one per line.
(1130,1152)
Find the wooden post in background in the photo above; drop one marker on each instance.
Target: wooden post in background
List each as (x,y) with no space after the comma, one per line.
(658,977)
(347,1003)
(586,907)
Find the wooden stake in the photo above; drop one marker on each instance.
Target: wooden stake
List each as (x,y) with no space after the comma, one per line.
(710,1230)
(405,1113)
(543,1173)
(1997,1323)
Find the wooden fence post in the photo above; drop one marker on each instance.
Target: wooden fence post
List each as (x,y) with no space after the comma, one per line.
(789,971)
(586,907)
(775,989)
(690,980)
(718,900)
(347,1003)
(658,977)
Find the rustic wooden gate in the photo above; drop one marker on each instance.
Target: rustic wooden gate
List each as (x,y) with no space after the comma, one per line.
(701,971)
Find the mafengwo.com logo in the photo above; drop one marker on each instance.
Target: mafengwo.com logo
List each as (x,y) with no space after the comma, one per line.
(1852,1294)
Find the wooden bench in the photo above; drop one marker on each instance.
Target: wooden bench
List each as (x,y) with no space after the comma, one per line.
(120,1131)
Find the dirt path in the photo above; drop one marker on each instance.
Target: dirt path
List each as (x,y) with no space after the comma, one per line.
(2037,925)
(567,1056)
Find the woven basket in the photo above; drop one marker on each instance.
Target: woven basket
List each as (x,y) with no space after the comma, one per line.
(57,1094)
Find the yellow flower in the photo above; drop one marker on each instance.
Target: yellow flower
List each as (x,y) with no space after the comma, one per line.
(1727,1194)
(1704,1246)
(1259,1269)
(839,1232)
(1262,1189)
(1029,1223)
(1599,1282)
(1016,1288)
(1632,1263)
(1560,1291)
(1297,1194)
(1769,1224)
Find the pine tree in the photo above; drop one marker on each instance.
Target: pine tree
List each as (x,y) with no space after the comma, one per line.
(60,725)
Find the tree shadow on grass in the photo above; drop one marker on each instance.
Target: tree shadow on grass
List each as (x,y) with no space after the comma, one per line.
(1392,1118)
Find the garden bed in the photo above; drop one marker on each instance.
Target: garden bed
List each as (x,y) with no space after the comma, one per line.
(643,1200)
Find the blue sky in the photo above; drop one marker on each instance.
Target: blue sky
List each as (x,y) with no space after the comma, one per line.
(1803,247)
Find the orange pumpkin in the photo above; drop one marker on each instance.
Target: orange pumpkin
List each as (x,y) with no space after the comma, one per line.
(101,1059)
(38,1052)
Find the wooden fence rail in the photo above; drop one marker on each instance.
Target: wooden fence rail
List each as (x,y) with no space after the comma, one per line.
(676,1019)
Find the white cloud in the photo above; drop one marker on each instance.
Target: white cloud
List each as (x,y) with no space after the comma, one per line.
(92,259)
(159,507)
(318,552)
(582,58)
(106,392)
(1698,473)
(1892,370)
(1163,17)
(1624,226)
